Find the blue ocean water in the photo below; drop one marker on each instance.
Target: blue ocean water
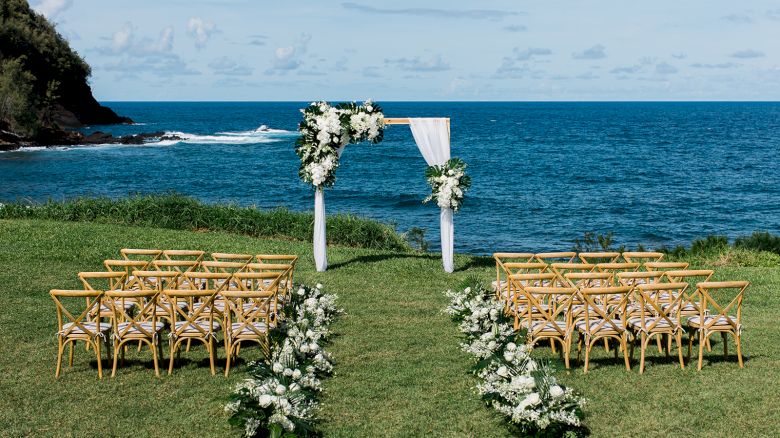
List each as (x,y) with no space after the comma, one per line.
(543,173)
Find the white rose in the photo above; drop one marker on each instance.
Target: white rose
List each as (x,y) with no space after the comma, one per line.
(511,346)
(318,286)
(288,372)
(314,347)
(278,368)
(556,391)
(304,348)
(509,356)
(265,400)
(280,389)
(532,399)
(502,371)
(296,374)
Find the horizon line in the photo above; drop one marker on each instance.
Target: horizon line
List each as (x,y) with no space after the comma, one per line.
(444,101)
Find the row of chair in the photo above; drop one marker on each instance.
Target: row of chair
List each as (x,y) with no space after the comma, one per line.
(147,291)
(639,297)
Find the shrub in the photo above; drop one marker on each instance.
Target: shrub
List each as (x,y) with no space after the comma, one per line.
(180,212)
(759,240)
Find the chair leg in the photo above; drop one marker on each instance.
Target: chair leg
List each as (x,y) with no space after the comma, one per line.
(552,345)
(210,346)
(690,346)
(117,347)
(70,355)
(738,341)
(724,337)
(579,346)
(660,344)
(153,347)
(624,347)
(642,345)
(228,354)
(606,344)
(99,359)
(588,345)
(172,355)
(679,349)
(566,345)
(60,348)
(702,339)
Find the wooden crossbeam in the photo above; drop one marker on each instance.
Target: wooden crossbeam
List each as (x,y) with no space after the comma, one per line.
(403,120)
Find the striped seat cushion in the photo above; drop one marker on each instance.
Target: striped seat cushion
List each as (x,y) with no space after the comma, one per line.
(190,327)
(662,325)
(688,309)
(720,321)
(146,326)
(90,326)
(594,326)
(547,327)
(237,329)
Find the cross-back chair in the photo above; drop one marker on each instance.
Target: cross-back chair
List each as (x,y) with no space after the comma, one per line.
(183,254)
(599,257)
(229,257)
(556,257)
(654,320)
(547,322)
(519,303)
(616,268)
(127,267)
(147,255)
(105,281)
(500,283)
(142,326)
(603,317)
(665,266)
(514,268)
(561,269)
(75,323)
(720,311)
(198,325)
(157,281)
(642,256)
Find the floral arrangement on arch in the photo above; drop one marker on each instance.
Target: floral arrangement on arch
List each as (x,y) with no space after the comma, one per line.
(448,183)
(280,397)
(325,129)
(524,390)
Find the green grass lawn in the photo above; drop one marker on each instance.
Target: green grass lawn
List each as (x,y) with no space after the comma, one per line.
(399,369)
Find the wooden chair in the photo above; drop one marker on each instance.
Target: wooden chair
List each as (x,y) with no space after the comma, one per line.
(228,257)
(285,272)
(126,267)
(716,318)
(654,320)
(142,327)
(183,254)
(156,281)
(561,269)
(250,314)
(665,266)
(74,324)
(599,257)
(147,255)
(544,322)
(105,281)
(215,281)
(520,304)
(515,268)
(282,259)
(600,319)
(642,256)
(198,325)
(500,283)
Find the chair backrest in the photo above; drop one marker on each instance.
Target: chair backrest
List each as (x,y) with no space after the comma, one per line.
(289,259)
(691,276)
(146,255)
(148,302)
(191,321)
(175,265)
(71,309)
(561,269)
(665,266)
(247,308)
(642,256)
(616,268)
(183,254)
(556,257)
(156,280)
(658,305)
(581,280)
(259,281)
(506,257)
(200,280)
(127,267)
(721,300)
(228,257)
(538,311)
(639,277)
(102,280)
(599,257)
(222,266)
(604,307)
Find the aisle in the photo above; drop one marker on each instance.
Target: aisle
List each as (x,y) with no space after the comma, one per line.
(399,369)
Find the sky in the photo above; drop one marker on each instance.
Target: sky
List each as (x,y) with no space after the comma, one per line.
(552,50)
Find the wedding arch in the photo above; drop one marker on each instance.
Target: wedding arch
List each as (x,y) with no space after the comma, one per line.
(325,132)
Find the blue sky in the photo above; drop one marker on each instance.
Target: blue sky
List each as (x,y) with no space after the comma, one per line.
(425,50)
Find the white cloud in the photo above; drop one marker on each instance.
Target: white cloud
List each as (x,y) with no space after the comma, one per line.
(123,38)
(434,63)
(748,53)
(229,67)
(596,52)
(201,30)
(527,54)
(123,41)
(665,69)
(289,57)
(52,8)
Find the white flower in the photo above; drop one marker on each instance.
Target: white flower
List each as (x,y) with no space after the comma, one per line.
(318,286)
(265,400)
(277,367)
(502,371)
(304,348)
(511,346)
(280,389)
(288,372)
(296,374)
(556,391)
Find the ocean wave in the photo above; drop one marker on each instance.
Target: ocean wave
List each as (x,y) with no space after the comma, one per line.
(263,134)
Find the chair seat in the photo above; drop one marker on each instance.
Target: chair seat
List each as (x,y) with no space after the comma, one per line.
(650,323)
(146,326)
(522,309)
(128,304)
(90,326)
(595,326)
(164,308)
(720,322)
(190,329)
(539,328)
(498,285)
(688,309)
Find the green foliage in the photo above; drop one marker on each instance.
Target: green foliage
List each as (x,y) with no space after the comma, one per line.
(760,241)
(416,237)
(592,241)
(183,213)
(17,100)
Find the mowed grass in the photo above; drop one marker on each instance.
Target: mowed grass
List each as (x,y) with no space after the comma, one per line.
(399,369)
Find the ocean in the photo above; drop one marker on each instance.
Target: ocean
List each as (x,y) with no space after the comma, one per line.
(543,173)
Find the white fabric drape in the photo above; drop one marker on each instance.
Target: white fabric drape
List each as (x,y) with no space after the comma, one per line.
(433,140)
(320,239)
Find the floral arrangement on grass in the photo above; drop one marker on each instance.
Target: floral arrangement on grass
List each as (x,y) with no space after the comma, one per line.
(511,381)
(448,183)
(280,397)
(325,129)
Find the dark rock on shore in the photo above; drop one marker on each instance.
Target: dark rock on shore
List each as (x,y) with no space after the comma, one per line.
(58,137)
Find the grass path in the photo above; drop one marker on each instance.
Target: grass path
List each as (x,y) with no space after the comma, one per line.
(399,370)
